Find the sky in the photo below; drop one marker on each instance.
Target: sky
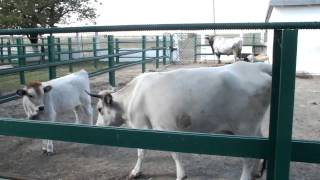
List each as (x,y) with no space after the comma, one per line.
(126,12)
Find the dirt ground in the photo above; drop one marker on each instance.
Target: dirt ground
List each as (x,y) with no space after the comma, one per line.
(72,161)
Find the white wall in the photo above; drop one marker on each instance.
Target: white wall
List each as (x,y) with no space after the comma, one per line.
(308,52)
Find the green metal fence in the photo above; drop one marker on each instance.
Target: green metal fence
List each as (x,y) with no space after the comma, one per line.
(279,149)
(49,64)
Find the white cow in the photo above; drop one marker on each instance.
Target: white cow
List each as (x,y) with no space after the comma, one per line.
(225,46)
(231,98)
(46,100)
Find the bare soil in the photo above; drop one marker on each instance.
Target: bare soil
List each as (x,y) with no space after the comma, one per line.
(22,157)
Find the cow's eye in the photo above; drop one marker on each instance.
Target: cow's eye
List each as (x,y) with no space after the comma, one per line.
(30,96)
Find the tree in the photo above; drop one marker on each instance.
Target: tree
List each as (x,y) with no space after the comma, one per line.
(44,13)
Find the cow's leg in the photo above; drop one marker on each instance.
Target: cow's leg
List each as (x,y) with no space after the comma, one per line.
(50,147)
(180,170)
(49,142)
(259,165)
(139,121)
(250,169)
(44,145)
(76,111)
(136,171)
(235,54)
(87,109)
(218,57)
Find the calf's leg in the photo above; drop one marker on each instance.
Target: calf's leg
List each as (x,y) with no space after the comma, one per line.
(179,168)
(136,171)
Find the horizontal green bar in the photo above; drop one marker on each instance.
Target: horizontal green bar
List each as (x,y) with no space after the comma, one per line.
(157,27)
(25,55)
(132,138)
(8,98)
(200,143)
(13,96)
(105,70)
(60,63)
(199,54)
(200,45)
(129,57)
(305,151)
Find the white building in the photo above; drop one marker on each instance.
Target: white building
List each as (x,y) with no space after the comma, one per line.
(308,51)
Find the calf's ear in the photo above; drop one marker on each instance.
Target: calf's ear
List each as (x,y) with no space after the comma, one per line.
(47,89)
(21,92)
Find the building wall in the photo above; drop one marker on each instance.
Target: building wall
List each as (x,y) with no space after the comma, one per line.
(308,52)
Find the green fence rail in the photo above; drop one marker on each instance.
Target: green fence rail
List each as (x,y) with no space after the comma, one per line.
(279,149)
(50,58)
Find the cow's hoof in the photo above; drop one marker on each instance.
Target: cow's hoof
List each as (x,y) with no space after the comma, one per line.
(50,153)
(134,175)
(44,151)
(257,176)
(184,177)
(47,153)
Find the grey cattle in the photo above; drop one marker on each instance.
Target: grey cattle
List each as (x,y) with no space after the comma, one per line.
(46,100)
(225,46)
(231,98)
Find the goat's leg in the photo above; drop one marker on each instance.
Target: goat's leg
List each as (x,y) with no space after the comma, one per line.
(136,171)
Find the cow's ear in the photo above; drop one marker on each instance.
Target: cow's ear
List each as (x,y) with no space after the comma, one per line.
(47,89)
(108,99)
(21,92)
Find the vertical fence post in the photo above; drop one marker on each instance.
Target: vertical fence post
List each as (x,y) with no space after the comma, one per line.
(51,56)
(9,51)
(143,54)
(253,44)
(171,48)
(70,53)
(164,54)
(21,59)
(157,52)
(195,49)
(282,102)
(58,50)
(1,51)
(43,56)
(112,77)
(94,49)
(117,50)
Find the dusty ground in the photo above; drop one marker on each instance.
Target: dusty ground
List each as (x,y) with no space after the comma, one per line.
(72,161)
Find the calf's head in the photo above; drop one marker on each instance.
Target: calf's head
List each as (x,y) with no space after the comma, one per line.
(34,94)
(109,111)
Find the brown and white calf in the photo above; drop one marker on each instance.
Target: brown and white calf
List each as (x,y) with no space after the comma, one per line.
(231,98)
(46,100)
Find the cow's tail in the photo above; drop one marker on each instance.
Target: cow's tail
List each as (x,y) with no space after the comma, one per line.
(267,68)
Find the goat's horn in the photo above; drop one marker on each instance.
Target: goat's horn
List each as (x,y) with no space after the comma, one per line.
(94,95)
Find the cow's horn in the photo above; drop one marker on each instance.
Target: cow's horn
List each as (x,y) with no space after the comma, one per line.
(94,95)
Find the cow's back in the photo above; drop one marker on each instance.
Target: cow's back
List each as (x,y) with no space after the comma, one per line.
(69,91)
(193,99)
(226,45)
